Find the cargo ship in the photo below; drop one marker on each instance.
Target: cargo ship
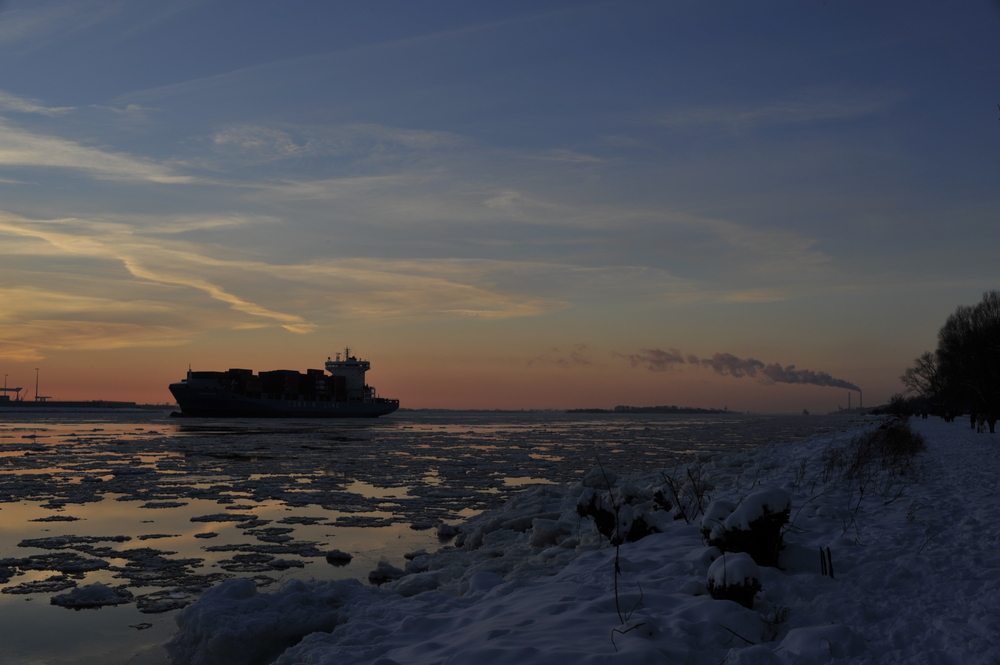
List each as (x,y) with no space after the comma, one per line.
(282,393)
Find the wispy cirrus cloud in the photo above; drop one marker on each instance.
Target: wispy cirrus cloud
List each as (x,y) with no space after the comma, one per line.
(33,340)
(395,289)
(278,70)
(32,25)
(807,107)
(564,155)
(364,142)
(143,258)
(118,275)
(41,320)
(22,148)
(11,102)
(442,202)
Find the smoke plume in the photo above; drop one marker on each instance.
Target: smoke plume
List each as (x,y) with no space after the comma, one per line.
(656,360)
(726,364)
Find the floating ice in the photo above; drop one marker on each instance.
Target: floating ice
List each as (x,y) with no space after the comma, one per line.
(385,572)
(446,531)
(163,504)
(93,595)
(302,520)
(49,585)
(70,542)
(223,517)
(338,558)
(64,562)
(532,583)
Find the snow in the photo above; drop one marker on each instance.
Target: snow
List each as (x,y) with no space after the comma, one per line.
(823,642)
(733,569)
(715,514)
(755,506)
(916,578)
(232,624)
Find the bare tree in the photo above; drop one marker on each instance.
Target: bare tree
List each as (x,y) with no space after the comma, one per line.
(924,378)
(968,356)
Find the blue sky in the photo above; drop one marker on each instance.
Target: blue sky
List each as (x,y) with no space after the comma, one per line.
(499,203)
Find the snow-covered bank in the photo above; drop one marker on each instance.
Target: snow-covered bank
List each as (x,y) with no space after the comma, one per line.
(915,579)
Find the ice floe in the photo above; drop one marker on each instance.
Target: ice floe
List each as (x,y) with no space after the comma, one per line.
(534,581)
(93,595)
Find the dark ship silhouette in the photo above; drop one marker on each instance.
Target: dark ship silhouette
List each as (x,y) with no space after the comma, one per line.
(239,393)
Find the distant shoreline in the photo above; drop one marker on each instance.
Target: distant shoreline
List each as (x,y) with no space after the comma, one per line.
(72,406)
(684,410)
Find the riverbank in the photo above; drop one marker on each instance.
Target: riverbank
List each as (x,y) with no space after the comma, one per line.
(915,580)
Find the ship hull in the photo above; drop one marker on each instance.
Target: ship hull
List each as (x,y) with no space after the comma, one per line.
(207,399)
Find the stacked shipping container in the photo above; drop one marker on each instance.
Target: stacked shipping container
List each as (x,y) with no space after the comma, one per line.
(313,386)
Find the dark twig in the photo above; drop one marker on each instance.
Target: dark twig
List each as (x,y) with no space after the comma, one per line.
(622,632)
(677,498)
(734,633)
(617,539)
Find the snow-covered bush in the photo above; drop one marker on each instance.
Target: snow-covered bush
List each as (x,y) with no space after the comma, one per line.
(880,459)
(597,504)
(715,514)
(617,512)
(734,577)
(684,496)
(633,524)
(754,526)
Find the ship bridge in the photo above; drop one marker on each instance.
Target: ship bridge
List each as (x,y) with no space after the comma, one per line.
(353,371)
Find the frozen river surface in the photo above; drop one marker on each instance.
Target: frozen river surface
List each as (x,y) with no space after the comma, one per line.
(164,508)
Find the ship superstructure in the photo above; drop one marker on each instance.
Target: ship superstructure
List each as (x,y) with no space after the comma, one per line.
(352,371)
(239,393)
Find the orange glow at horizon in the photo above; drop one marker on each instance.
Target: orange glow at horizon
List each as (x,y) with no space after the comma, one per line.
(439,381)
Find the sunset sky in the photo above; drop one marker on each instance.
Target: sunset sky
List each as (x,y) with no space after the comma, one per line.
(502,205)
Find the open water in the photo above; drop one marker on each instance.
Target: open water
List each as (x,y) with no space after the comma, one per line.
(164,508)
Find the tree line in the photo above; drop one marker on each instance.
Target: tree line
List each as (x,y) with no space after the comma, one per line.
(963,374)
